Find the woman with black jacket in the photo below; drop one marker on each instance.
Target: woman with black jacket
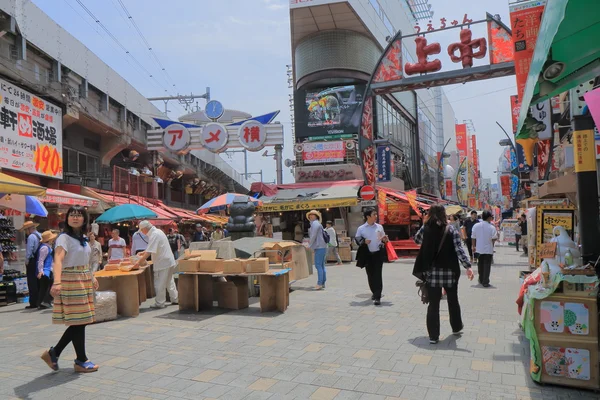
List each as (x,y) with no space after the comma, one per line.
(437,264)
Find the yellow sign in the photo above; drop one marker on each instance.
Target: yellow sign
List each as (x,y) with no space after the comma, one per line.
(552,219)
(584,148)
(307,205)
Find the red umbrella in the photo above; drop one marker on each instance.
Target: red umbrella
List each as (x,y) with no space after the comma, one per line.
(222,201)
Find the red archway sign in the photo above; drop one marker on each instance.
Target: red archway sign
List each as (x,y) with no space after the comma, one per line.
(367,192)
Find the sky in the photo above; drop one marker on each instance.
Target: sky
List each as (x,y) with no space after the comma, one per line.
(240,49)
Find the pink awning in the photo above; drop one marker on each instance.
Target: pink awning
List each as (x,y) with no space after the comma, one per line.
(61,197)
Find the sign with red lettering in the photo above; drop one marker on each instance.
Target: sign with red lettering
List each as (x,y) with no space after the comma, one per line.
(253,135)
(515,109)
(525,21)
(176,137)
(449,188)
(323,152)
(30,133)
(505,185)
(214,137)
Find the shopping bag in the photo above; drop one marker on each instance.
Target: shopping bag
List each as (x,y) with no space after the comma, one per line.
(391,253)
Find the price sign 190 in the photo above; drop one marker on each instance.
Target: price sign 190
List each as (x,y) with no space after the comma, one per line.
(47,160)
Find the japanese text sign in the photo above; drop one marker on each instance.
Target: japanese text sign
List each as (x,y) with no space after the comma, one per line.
(505,185)
(542,112)
(398,214)
(515,109)
(525,20)
(323,152)
(384,164)
(461,141)
(176,137)
(548,250)
(449,187)
(214,137)
(585,150)
(253,135)
(31,133)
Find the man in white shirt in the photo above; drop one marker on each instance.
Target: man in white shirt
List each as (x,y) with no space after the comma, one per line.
(139,242)
(163,263)
(484,236)
(116,246)
(373,236)
(333,243)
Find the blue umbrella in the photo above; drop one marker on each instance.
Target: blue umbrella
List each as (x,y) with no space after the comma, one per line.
(23,203)
(125,212)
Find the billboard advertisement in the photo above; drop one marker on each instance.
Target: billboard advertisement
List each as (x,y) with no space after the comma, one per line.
(328,111)
(323,152)
(30,133)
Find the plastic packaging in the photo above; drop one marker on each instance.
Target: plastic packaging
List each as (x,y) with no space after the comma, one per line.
(106,306)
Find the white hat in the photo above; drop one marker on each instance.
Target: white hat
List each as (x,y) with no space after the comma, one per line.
(145,225)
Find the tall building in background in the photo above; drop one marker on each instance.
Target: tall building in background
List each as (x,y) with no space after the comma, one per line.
(335,47)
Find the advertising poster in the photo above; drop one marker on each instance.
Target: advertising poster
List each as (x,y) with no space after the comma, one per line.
(522,160)
(398,214)
(462,147)
(542,112)
(543,153)
(382,205)
(323,152)
(505,183)
(552,218)
(31,133)
(515,109)
(475,158)
(449,187)
(508,228)
(525,21)
(328,111)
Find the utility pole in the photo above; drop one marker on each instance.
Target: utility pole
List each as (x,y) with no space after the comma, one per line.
(185,100)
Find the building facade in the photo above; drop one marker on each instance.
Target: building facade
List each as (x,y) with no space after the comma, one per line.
(335,47)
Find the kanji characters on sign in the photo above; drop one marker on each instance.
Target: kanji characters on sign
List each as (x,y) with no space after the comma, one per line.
(252,135)
(30,132)
(214,137)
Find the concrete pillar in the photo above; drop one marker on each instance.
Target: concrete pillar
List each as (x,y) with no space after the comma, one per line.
(83,89)
(111,146)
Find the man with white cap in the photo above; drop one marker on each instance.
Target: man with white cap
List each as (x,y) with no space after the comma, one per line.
(163,262)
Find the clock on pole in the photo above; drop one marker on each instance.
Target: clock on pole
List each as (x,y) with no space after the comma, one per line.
(214,110)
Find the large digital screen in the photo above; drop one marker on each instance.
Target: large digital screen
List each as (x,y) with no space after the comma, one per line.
(328,111)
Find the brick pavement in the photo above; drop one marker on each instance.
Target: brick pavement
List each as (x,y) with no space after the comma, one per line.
(332,344)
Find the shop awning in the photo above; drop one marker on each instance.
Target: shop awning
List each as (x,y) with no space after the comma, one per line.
(560,186)
(61,197)
(304,197)
(106,200)
(402,196)
(568,34)
(12,185)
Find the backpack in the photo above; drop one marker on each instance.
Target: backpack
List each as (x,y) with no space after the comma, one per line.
(326,236)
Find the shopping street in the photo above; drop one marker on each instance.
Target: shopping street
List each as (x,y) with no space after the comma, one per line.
(332,344)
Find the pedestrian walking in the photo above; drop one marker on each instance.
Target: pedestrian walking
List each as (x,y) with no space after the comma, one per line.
(96,255)
(333,244)
(523,224)
(44,258)
(198,234)
(468,232)
(373,236)
(73,290)
(318,245)
(484,238)
(518,233)
(454,221)
(163,262)
(174,243)
(32,244)
(438,265)
(116,246)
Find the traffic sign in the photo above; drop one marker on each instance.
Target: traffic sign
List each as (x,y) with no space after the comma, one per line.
(597,146)
(367,192)
(177,137)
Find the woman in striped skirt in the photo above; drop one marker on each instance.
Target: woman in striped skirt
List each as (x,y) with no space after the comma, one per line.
(73,290)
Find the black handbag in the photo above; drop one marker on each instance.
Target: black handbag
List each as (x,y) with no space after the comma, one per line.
(423,290)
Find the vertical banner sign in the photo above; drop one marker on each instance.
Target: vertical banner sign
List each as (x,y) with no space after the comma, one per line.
(515,109)
(475,154)
(525,21)
(585,151)
(505,183)
(542,112)
(543,152)
(462,148)
(449,187)
(30,133)
(382,205)
(384,164)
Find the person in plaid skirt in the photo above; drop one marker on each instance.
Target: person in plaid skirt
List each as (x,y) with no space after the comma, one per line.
(438,262)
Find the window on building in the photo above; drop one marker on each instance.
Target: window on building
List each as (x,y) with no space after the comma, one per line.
(80,163)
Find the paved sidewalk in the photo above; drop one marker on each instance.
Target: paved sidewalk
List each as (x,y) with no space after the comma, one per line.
(332,344)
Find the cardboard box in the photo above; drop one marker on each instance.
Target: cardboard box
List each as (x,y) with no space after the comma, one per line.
(191,265)
(212,266)
(233,295)
(257,265)
(275,248)
(235,266)
(205,254)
